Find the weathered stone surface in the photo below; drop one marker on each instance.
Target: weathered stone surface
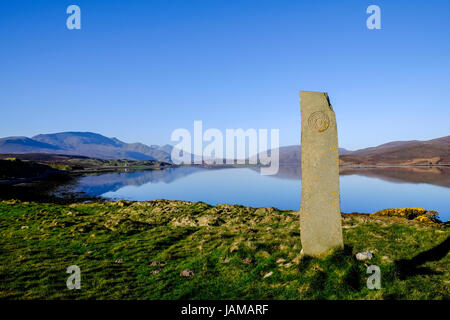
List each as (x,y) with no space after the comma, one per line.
(320,216)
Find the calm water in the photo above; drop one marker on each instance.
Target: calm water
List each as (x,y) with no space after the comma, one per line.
(362,190)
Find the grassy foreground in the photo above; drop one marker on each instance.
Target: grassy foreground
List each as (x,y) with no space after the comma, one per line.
(182,250)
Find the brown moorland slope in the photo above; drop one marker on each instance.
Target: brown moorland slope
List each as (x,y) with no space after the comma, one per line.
(431,152)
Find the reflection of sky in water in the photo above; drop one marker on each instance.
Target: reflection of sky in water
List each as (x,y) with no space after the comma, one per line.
(248,187)
(363,194)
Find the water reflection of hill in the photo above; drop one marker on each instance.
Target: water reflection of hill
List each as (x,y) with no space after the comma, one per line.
(439,176)
(100,184)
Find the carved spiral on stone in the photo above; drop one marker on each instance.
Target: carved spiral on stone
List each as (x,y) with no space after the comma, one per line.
(319,121)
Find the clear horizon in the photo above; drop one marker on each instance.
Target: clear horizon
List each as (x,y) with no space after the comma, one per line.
(139,70)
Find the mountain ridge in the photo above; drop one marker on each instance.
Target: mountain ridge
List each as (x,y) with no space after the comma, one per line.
(414,152)
(88,144)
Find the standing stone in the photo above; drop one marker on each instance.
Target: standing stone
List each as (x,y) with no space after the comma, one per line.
(320,214)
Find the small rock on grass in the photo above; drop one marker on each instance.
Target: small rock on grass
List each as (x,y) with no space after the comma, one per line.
(119,261)
(187,273)
(157,263)
(366,255)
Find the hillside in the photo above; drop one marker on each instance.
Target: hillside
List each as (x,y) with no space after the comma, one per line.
(17,170)
(183,250)
(87,144)
(436,152)
(79,164)
(24,145)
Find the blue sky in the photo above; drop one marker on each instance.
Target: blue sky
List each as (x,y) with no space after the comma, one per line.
(137,70)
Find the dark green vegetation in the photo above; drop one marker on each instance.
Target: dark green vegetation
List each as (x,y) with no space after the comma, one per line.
(28,180)
(15,170)
(138,250)
(78,164)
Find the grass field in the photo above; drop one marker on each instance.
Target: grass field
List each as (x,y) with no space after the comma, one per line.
(182,250)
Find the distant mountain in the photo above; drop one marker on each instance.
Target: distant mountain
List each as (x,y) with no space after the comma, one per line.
(94,145)
(12,144)
(291,155)
(435,151)
(87,144)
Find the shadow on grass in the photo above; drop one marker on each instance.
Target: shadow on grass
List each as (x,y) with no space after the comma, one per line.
(337,258)
(334,276)
(410,267)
